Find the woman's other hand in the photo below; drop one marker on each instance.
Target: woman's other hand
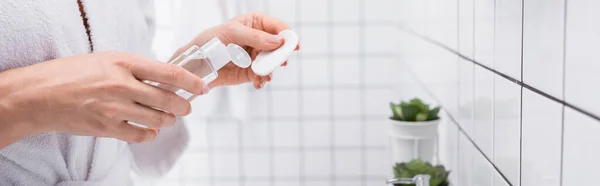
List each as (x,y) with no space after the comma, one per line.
(253,31)
(94,95)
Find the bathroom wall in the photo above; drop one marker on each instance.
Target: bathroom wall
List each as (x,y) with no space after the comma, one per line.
(518,80)
(321,122)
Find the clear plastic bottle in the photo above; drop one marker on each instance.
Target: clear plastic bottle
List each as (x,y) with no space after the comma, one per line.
(205,61)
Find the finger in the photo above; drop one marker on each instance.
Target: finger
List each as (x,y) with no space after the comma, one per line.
(152,96)
(168,74)
(134,134)
(297,47)
(270,24)
(256,82)
(284,64)
(148,117)
(257,39)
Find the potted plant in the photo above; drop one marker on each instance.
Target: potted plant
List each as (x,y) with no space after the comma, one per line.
(438,173)
(413,130)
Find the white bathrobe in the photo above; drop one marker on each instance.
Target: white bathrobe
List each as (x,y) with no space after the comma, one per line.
(34,31)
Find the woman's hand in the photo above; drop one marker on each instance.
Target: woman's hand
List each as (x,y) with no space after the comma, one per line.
(93,95)
(253,31)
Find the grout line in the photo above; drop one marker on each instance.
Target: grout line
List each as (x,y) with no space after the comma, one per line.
(494,90)
(209,155)
(564,88)
(455,122)
(331,64)
(521,104)
(362,79)
(301,158)
(520,83)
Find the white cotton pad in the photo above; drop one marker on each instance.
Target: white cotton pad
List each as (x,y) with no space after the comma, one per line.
(267,61)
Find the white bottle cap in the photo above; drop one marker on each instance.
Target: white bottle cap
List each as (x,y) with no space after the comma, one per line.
(267,61)
(219,55)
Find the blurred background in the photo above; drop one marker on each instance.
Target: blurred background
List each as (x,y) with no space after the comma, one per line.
(516,80)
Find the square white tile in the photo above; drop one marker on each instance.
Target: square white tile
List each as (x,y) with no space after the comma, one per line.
(223,133)
(507,128)
(257,183)
(316,72)
(317,163)
(543,32)
(191,182)
(225,165)
(285,133)
(379,10)
(199,137)
(347,133)
(317,133)
(314,11)
(376,132)
(284,10)
(378,102)
(541,135)
(346,103)
(316,103)
(286,164)
(379,163)
(483,171)
(483,109)
(314,40)
(345,40)
(256,164)
(465,96)
(346,71)
(484,32)
(466,26)
(289,75)
(499,181)
(346,10)
(285,103)
(383,71)
(256,134)
(465,167)
(348,163)
(580,152)
(381,39)
(449,147)
(581,67)
(348,183)
(508,37)
(259,104)
(318,183)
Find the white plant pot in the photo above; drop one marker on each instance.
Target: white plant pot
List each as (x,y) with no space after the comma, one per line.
(414,140)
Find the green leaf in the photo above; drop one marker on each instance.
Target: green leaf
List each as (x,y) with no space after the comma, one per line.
(433,114)
(395,111)
(421,117)
(416,101)
(409,113)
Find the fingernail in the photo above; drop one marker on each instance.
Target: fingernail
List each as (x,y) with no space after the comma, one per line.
(275,39)
(262,84)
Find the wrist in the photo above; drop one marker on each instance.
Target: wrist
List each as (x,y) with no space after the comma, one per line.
(13,127)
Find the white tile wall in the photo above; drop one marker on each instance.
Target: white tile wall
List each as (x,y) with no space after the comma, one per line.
(322,120)
(508,29)
(541,145)
(580,152)
(581,59)
(466,27)
(510,116)
(484,32)
(543,32)
(483,110)
(507,128)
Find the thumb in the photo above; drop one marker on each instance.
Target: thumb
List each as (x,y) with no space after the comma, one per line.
(256,39)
